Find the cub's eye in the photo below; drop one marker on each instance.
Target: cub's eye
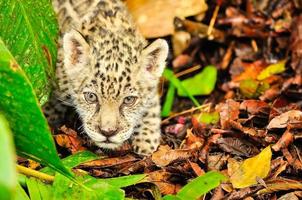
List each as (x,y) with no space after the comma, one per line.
(90,97)
(129,100)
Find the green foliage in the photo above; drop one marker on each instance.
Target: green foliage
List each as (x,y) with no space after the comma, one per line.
(29,29)
(198,187)
(251,88)
(272,69)
(8,174)
(209,118)
(202,83)
(73,161)
(169,75)
(21,107)
(166,109)
(89,187)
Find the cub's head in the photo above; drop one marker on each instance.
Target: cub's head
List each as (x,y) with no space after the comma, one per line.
(113,83)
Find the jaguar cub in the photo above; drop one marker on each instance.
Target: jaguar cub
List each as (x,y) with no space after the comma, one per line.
(109,74)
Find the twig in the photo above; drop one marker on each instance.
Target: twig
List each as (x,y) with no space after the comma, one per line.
(185,112)
(30,172)
(187,71)
(212,22)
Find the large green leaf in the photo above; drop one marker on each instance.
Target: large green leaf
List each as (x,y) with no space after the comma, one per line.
(199,186)
(202,83)
(29,29)
(169,75)
(8,174)
(65,189)
(21,108)
(74,160)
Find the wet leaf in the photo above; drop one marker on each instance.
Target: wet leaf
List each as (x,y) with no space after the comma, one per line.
(272,69)
(202,83)
(29,29)
(246,173)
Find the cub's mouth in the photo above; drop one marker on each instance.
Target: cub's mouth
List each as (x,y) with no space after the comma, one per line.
(108,144)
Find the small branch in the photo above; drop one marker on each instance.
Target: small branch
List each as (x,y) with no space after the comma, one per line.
(187,71)
(30,172)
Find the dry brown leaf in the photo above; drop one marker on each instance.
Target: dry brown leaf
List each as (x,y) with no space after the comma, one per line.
(108,162)
(283,120)
(192,141)
(280,184)
(154,18)
(237,146)
(228,111)
(254,106)
(69,140)
(165,155)
(286,139)
(217,161)
(160,178)
(196,168)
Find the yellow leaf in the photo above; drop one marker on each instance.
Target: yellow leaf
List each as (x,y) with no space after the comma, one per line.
(271,70)
(251,169)
(154,18)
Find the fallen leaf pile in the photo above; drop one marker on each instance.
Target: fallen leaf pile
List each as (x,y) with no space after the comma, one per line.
(232,100)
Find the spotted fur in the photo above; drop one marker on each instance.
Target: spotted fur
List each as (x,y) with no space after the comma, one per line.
(109,74)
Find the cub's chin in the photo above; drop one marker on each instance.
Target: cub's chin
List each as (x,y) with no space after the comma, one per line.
(108,145)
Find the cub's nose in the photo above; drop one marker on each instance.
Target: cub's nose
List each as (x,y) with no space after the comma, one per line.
(108,132)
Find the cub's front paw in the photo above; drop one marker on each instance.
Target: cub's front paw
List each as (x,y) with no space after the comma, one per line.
(145,146)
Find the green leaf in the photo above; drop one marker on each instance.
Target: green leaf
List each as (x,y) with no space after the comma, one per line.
(202,83)
(21,107)
(170,197)
(33,189)
(39,190)
(29,29)
(209,118)
(20,194)
(120,182)
(74,160)
(65,189)
(8,174)
(199,186)
(252,88)
(169,75)
(272,69)
(168,101)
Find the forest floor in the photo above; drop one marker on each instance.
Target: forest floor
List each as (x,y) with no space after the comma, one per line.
(256,48)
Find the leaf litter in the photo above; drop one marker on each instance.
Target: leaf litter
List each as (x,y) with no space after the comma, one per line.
(238,74)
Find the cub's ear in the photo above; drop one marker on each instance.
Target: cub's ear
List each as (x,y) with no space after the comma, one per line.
(76,52)
(155,56)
